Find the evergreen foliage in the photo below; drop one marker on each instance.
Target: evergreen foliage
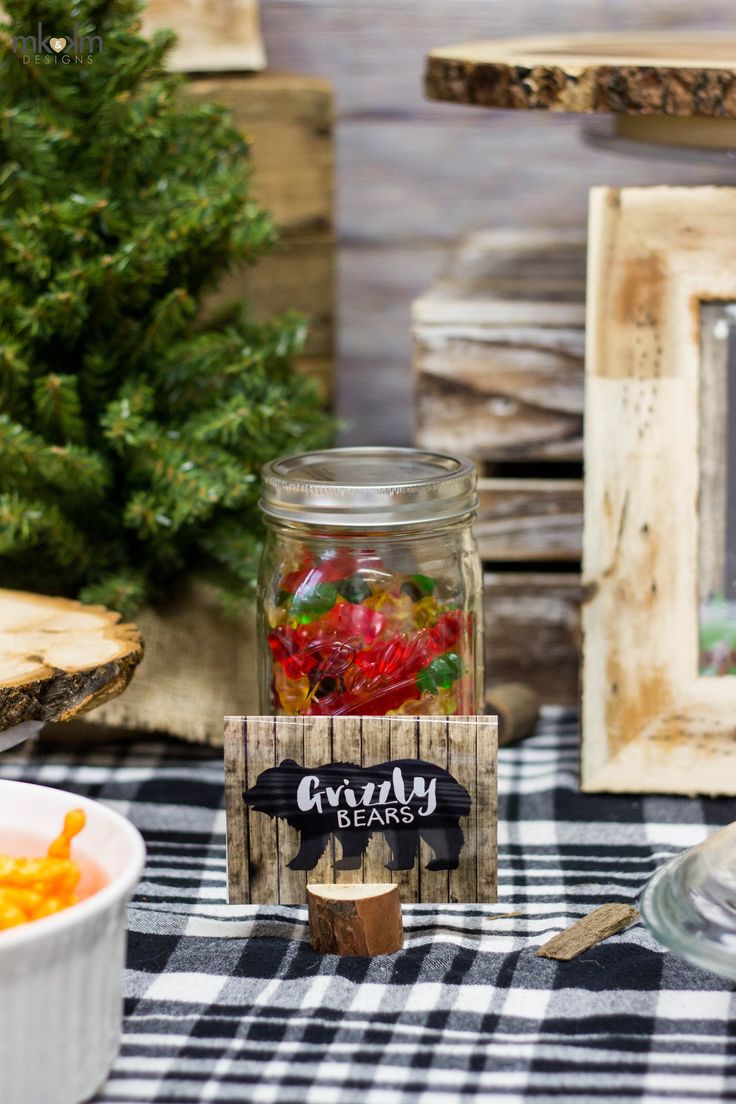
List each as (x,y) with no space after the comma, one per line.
(131,434)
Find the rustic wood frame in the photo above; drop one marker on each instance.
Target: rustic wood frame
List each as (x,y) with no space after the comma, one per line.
(650,723)
(259,847)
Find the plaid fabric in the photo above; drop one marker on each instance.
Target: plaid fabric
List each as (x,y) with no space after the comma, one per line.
(232,1004)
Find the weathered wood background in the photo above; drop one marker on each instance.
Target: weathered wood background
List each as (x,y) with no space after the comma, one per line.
(413,176)
(259,846)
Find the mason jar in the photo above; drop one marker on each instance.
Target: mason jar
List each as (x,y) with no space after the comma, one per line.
(370,595)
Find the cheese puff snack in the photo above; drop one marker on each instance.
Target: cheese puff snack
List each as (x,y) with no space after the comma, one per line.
(33,888)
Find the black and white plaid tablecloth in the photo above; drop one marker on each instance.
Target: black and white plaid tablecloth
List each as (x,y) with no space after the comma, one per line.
(233,1005)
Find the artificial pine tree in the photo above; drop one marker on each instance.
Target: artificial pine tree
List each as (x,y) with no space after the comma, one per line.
(131,433)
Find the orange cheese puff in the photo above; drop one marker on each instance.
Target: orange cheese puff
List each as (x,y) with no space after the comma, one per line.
(49,906)
(74,822)
(26,899)
(11,913)
(33,888)
(32,873)
(11,916)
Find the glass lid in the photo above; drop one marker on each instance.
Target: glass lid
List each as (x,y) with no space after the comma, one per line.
(689,904)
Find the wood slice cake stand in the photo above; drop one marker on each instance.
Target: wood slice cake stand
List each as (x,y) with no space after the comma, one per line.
(59,658)
(672,89)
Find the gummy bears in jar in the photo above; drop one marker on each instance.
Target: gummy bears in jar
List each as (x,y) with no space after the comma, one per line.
(370,585)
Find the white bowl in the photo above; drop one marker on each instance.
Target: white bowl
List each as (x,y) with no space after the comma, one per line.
(61,978)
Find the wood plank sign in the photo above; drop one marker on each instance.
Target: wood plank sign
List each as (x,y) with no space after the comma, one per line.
(409,800)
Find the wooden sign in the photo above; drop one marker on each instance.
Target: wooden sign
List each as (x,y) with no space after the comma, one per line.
(409,800)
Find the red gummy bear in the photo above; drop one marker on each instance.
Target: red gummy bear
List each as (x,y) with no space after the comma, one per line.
(399,653)
(297,665)
(294,579)
(372,704)
(350,620)
(334,566)
(342,563)
(445,633)
(282,642)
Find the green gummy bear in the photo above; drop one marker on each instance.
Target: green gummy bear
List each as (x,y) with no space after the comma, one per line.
(441,673)
(354,589)
(314,603)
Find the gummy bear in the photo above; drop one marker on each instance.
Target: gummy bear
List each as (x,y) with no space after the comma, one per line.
(397,608)
(426,612)
(291,580)
(354,589)
(296,666)
(292,693)
(441,672)
(312,602)
(357,620)
(447,630)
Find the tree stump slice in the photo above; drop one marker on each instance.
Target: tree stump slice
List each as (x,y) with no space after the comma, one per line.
(358,919)
(59,657)
(685,75)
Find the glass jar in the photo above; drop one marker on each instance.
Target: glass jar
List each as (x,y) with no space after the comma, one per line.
(370,595)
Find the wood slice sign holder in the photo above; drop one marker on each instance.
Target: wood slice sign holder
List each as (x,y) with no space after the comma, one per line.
(355,919)
(321,801)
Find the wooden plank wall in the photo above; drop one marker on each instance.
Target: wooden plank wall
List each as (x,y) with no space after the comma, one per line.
(413,176)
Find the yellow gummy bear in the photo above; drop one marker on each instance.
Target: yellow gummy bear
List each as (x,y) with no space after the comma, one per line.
(426,612)
(277,616)
(442,704)
(292,693)
(396,608)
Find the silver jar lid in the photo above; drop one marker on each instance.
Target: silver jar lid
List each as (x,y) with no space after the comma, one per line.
(368,488)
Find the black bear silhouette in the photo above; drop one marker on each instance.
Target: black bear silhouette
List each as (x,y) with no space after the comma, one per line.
(406,799)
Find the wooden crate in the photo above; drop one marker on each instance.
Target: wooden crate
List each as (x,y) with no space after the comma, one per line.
(498,349)
(498,356)
(532,631)
(214,35)
(288,118)
(530,519)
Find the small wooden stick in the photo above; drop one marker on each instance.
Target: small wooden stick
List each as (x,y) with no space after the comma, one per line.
(586,933)
(355,919)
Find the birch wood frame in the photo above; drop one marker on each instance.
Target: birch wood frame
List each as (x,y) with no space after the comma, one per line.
(650,723)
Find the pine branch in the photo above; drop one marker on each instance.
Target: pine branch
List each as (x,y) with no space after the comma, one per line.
(27,461)
(27,523)
(124,591)
(58,408)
